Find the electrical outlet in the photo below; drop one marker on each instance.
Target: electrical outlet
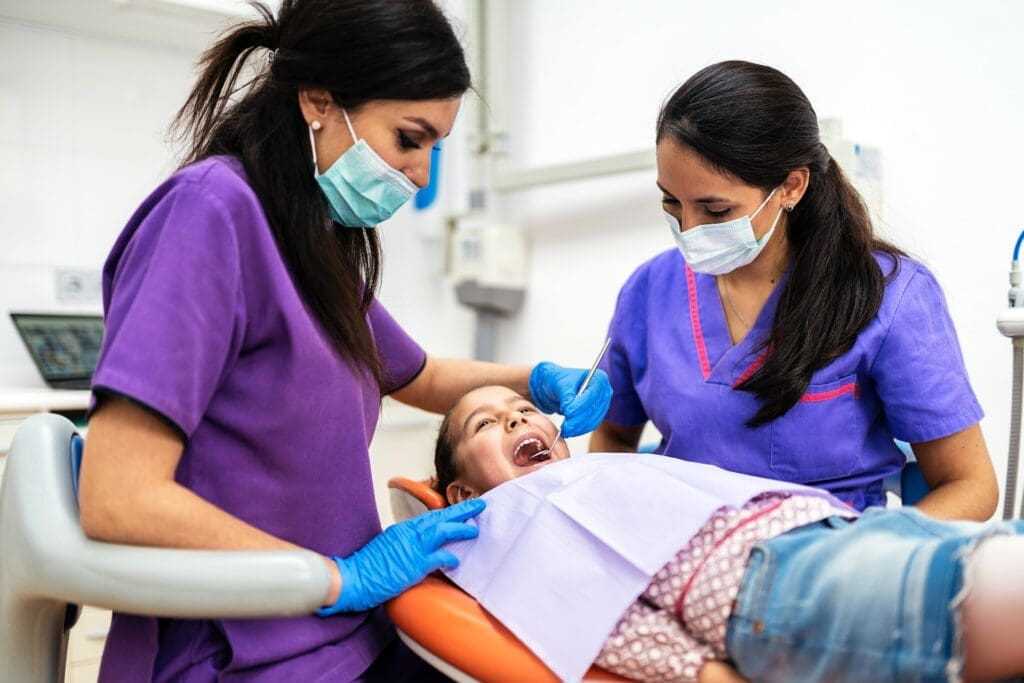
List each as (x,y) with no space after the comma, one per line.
(78,286)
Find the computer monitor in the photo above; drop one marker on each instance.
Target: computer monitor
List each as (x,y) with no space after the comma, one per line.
(65,347)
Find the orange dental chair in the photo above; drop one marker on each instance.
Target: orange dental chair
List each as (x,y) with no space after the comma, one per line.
(449,629)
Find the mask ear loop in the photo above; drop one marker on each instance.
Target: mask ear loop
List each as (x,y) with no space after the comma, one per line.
(764,202)
(315,125)
(768,235)
(348,123)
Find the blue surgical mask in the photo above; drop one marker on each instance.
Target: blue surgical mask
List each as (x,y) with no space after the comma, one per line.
(719,248)
(362,190)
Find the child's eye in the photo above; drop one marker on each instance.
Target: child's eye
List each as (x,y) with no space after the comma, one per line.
(406,142)
(483,423)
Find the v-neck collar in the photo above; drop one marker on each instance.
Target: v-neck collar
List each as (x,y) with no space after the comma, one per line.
(721,361)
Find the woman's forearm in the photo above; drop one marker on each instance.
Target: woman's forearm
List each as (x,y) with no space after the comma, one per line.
(166,514)
(443,381)
(959,472)
(965,499)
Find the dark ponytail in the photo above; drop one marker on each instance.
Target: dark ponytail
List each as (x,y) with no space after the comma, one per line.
(219,68)
(753,122)
(360,51)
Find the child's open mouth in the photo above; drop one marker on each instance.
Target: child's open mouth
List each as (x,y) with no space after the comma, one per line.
(525,449)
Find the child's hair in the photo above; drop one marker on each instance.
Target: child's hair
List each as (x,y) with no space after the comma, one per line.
(444,456)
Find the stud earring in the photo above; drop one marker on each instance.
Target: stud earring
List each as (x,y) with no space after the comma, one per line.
(789,207)
(315,125)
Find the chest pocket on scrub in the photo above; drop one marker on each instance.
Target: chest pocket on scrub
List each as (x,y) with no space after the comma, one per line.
(821,436)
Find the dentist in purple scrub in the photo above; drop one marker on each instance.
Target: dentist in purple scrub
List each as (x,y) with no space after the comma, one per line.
(783,338)
(246,355)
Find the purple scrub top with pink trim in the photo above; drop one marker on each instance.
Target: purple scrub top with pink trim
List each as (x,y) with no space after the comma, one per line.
(205,328)
(673,362)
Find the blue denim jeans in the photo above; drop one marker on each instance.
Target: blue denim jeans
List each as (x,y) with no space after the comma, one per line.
(866,600)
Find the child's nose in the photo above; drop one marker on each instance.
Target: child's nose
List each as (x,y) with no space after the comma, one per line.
(515,419)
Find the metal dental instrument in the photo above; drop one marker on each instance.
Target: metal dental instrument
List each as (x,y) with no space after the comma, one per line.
(583,387)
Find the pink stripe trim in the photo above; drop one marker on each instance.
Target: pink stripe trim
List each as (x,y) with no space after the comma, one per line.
(729,534)
(751,369)
(852,387)
(698,336)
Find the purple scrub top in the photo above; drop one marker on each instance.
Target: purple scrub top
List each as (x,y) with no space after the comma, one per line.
(672,362)
(205,327)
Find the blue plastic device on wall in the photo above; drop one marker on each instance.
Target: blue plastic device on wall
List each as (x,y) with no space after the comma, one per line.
(428,194)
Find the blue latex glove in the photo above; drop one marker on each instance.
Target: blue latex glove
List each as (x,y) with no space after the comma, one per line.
(401,556)
(553,390)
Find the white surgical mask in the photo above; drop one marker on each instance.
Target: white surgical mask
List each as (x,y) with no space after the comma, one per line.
(719,248)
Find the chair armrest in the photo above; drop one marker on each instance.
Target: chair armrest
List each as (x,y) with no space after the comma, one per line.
(46,555)
(193,584)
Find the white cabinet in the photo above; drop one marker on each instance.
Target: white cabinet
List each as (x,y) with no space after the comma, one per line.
(18,404)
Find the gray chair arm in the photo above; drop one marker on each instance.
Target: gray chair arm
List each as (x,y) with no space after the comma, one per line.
(47,555)
(190,583)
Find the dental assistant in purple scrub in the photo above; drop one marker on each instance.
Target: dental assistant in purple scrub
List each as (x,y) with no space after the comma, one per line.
(782,338)
(246,355)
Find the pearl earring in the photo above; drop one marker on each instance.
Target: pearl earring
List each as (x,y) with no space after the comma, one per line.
(315,125)
(789,207)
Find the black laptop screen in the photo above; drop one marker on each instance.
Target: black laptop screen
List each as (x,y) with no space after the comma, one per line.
(62,346)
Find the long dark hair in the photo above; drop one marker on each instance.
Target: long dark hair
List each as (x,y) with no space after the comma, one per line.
(754,123)
(359,50)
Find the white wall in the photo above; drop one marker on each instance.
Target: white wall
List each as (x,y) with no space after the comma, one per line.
(935,85)
(82,141)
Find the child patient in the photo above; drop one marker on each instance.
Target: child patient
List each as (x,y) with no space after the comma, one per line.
(785,587)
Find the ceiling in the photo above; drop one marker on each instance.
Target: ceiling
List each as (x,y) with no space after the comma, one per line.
(179,24)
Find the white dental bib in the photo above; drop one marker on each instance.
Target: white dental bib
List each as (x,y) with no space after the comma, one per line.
(564,551)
